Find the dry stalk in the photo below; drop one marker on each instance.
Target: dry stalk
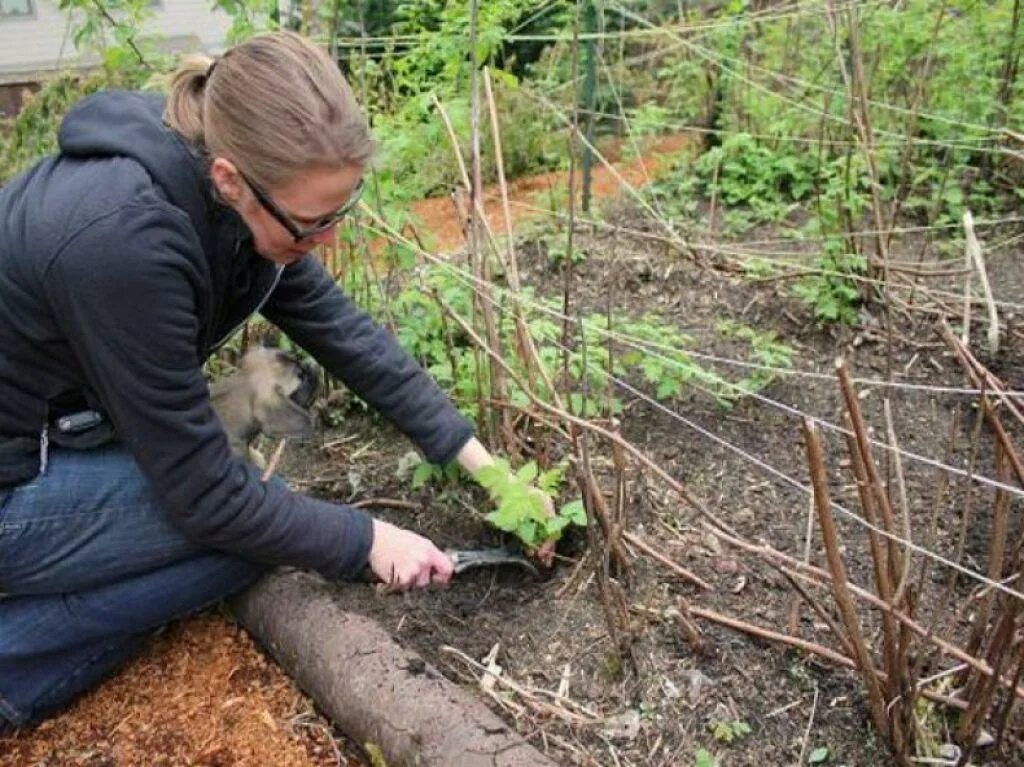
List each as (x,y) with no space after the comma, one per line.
(773,636)
(941,488)
(656,555)
(821,612)
(621,464)
(528,349)
(879,560)
(818,650)
(965,332)
(975,260)
(983,382)
(590,492)
(724,532)
(839,588)
(994,383)
(794,607)
(691,630)
(901,485)
(483,301)
(613,600)
(565,709)
(275,458)
(981,695)
(858,89)
(860,429)
(485,304)
(820,577)
(1003,717)
(997,551)
(912,123)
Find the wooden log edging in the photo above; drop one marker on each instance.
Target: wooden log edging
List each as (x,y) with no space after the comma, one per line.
(373,689)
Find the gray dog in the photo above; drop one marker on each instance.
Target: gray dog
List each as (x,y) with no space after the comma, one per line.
(270,393)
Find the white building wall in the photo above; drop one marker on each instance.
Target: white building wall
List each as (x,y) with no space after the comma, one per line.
(41,43)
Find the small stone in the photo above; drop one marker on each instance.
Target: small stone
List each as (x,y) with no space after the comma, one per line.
(697,682)
(726,565)
(624,726)
(671,691)
(950,752)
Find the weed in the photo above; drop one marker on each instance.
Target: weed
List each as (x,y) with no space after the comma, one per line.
(703,758)
(521,502)
(819,755)
(728,732)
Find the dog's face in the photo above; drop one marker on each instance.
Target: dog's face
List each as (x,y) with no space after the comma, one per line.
(270,393)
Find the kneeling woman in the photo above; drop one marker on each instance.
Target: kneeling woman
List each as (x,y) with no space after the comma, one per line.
(125,260)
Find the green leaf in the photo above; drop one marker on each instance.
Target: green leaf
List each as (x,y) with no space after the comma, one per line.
(506,518)
(529,532)
(492,478)
(423,473)
(527,472)
(549,480)
(703,759)
(553,526)
(818,755)
(574,512)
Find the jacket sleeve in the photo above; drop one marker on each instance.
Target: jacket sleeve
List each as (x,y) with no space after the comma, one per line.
(127,292)
(313,311)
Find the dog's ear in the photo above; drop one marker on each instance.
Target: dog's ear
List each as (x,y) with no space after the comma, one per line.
(279,417)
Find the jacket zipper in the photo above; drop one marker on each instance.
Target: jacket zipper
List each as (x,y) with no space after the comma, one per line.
(266,297)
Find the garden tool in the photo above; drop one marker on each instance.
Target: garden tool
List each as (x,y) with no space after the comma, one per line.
(464,559)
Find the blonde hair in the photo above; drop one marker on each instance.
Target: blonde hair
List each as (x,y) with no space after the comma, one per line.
(274,105)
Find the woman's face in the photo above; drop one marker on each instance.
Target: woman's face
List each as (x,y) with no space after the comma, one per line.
(313,197)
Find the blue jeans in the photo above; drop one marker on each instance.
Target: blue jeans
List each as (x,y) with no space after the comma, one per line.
(89,565)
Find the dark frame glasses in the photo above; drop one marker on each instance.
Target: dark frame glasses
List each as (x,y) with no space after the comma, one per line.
(297,232)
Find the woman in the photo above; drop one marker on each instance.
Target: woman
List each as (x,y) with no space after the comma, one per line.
(125,260)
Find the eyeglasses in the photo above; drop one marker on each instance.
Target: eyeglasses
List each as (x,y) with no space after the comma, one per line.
(297,232)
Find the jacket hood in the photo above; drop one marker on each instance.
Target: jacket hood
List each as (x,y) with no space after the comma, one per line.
(128,124)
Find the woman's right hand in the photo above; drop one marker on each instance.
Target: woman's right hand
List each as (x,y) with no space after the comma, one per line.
(405,560)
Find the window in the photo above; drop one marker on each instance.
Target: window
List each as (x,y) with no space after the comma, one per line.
(15,9)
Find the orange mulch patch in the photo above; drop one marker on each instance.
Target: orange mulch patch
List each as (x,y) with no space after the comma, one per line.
(439,216)
(202,694)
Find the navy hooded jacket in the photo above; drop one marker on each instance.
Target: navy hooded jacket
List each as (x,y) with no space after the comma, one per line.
(119,274)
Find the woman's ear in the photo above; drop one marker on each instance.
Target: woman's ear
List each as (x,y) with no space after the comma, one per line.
(227,180)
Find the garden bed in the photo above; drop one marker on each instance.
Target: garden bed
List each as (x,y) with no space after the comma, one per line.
(571,694)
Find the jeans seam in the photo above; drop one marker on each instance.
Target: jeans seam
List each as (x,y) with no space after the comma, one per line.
(52,692)
(78,514)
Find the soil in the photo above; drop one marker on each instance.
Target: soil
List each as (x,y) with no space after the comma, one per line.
(792,702)
(551,633)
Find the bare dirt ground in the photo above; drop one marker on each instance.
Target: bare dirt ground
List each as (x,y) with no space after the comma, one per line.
(552,640)
(204,695)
